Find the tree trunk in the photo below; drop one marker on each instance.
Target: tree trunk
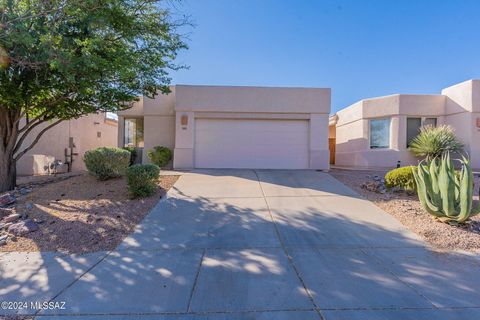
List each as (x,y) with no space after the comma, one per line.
(8,138)
(11,140)
(8,173)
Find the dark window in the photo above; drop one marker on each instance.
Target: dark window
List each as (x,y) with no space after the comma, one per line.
(414,125)
(413,128)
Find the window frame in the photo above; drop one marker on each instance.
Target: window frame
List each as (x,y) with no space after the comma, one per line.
(389,133)
(137,143)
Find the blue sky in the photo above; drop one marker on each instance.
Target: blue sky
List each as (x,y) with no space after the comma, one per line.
(359,48)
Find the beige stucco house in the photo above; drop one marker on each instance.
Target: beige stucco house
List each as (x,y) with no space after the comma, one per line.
(233,127)
(67,142)
(376,132)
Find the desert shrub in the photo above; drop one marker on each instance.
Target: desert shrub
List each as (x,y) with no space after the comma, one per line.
(106,162)
(160,155)
(142,179)
(133,154)
(401,178)
(434,142)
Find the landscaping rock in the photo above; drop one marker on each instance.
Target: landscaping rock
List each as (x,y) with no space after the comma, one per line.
(7,199)
(6,212)
(375,184)
(23,227)
(3,238)
(11,218)
(24,191)
(6,225)
(29,206)
(372,186)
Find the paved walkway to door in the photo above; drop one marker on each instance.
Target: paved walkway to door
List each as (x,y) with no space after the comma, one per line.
(254,244)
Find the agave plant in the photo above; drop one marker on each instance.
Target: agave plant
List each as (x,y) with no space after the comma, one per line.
(434,142)
(445,193)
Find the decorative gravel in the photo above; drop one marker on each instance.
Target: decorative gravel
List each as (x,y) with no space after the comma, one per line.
(81,214)
(408,210)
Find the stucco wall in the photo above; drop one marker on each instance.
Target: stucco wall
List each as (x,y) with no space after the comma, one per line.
(252,99)
(162,116)
(159,121)
(53,143)
(352,131)
(458,106)
(462,112)
(251,103)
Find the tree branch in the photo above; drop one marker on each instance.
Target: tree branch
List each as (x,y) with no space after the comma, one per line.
(25,134)
(22,114)
(44,113)
(28,124)
(40,134)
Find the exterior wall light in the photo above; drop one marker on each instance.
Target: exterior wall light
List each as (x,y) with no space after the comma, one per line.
(184,121)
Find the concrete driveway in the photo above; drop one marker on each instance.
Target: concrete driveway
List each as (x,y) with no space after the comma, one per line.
(245,244)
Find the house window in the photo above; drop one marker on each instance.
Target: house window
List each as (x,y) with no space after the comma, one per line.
(379,133)
(133,132)
(414,125)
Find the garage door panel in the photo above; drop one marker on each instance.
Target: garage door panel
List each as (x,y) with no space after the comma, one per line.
(262,144)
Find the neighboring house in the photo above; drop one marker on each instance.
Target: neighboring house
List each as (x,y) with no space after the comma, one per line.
(233,127)
(376,132)
(67,142)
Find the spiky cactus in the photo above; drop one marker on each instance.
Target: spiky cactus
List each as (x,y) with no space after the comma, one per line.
(444,193)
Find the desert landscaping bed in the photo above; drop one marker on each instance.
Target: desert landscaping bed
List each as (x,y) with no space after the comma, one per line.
(407,209)
(77,214)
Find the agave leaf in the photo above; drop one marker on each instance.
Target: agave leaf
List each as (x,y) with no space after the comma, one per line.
(446,186)
(433,173)
(419,176)
(432,203)
(457,187)
(466,194)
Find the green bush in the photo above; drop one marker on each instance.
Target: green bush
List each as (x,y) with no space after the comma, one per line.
(401,178)
(160,155)
(133,154)
(106,163)
(142,179)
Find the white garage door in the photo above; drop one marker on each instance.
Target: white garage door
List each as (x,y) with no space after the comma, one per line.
(257,144)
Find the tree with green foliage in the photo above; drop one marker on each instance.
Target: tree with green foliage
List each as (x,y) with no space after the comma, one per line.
(63,59)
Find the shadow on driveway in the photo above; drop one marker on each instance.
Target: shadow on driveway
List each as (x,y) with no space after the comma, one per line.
(299,256)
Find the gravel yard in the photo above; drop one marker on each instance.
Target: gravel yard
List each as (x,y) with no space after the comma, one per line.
(79,214)
(408,210)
